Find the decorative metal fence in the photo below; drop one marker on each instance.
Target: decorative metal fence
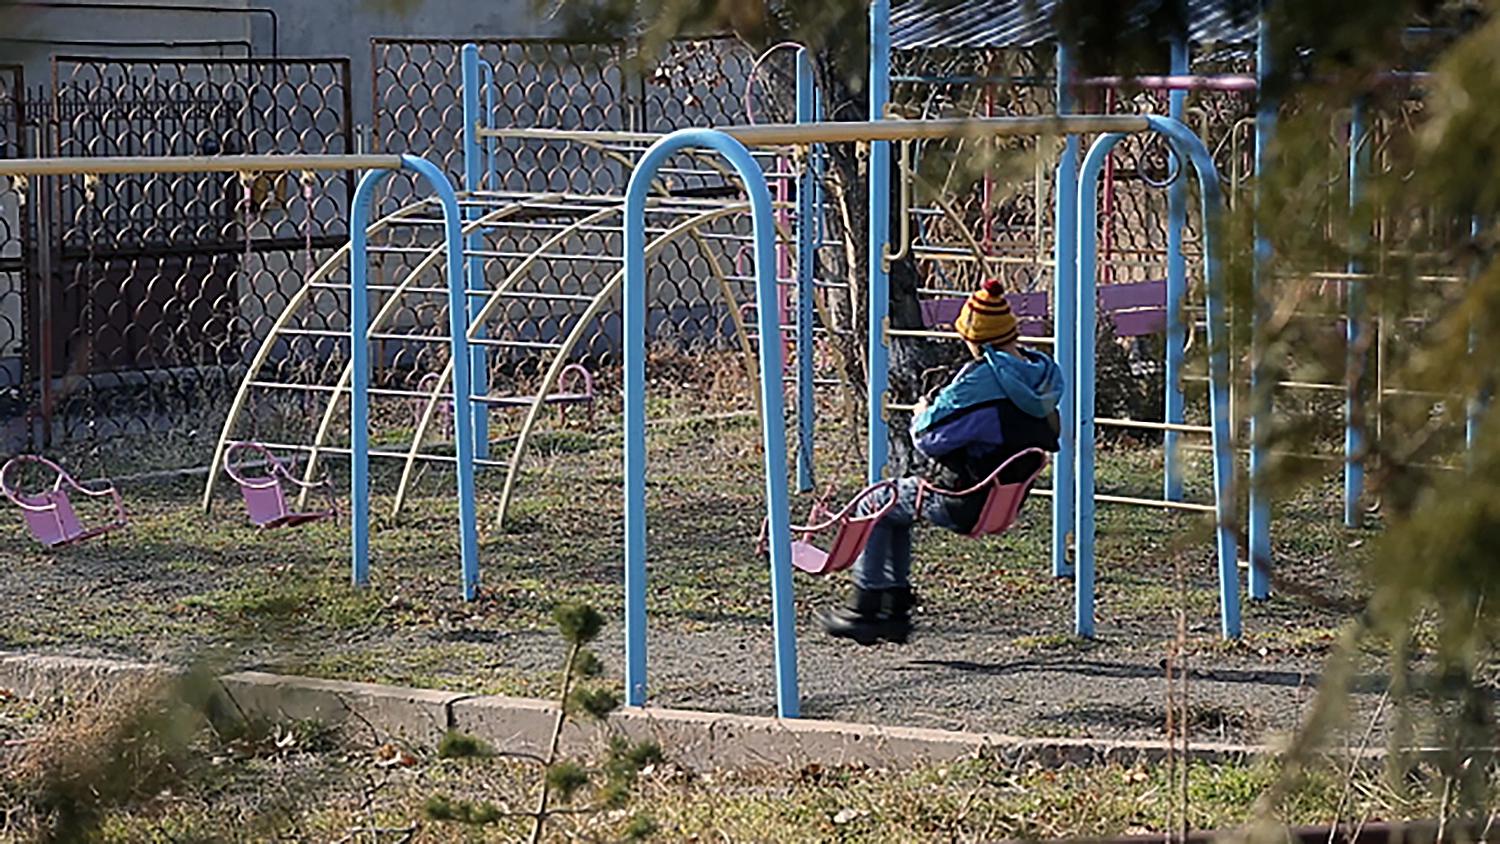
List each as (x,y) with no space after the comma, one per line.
(16,312)
(158,287)
(546,83)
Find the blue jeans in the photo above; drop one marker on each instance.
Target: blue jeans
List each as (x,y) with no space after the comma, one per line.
(886,562)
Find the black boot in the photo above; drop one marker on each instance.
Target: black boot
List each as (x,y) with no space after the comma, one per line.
(872,615)
(898,604)
(859,619)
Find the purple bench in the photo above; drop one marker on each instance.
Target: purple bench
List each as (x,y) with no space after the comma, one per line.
(1136,309)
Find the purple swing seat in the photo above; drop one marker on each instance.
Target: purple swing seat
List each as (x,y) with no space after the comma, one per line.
(849,538)
(265,498)
(1002,506)
(49,514)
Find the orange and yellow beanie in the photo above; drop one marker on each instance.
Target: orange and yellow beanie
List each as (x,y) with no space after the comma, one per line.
(986,318)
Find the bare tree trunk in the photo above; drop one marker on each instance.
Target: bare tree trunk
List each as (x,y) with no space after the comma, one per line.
(848,223)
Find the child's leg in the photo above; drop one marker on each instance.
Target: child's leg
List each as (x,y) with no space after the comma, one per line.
(886,561)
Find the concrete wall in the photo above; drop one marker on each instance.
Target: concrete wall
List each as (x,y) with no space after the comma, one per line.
(345,27)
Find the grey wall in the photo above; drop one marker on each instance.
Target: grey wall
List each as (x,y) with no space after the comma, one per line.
(345,27)
(303,28)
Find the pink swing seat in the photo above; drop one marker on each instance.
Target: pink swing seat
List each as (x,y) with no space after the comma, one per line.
(49,514)
(265,498)
(851,532)
(1002,505)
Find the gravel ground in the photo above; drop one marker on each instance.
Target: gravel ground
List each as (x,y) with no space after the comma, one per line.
(993,651)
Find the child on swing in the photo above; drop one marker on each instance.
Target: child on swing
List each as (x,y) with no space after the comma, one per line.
(1001,403)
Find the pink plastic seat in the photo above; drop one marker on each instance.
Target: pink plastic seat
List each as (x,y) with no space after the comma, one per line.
(49,514)
(851,532)
(1008,487)
(265,497)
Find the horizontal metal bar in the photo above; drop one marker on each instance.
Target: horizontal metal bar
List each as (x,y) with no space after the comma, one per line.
(98,166)
(806,134)
(1154,502)
(953,335)
(1153,426)
(392,455)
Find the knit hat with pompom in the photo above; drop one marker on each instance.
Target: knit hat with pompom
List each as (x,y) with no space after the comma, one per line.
(986,318)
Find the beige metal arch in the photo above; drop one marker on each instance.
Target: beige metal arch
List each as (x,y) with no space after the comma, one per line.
(561,354)
(386,311)
(498,293)
(334,261)
(691,225)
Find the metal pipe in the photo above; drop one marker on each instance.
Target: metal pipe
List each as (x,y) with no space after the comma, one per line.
(773,430)
(878,289)
(111,165)
(1174,404)
(359,402)
(806,247)
(1189,148)
(474,175)
(1354,309)
(1064,305)
(874,131)
(1260,395)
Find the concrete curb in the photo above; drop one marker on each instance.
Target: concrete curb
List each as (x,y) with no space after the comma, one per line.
(696,740)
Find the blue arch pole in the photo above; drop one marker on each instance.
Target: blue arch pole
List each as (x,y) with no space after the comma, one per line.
(1260,393)
(1354,316)
(1064,306)
(359,400)
(806,262)
(773,429)
(879,296)
(1174,410)
(1188,148)
(1474,413)
(474,169)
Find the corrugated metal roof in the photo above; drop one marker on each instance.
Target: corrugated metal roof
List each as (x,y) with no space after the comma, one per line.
(918,24)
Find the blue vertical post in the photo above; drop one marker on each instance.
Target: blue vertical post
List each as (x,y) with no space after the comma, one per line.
(880,232)
(1082,376)
(773,431)
(492,143)
(359,403)
(359,376)
(1474,415)
(1064,303)
(1260,393)
(1354,316)
(474,166)
(1188,147)
(1176,289)
(806,262)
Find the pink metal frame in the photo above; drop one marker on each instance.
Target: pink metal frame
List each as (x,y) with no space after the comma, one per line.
(1002,506)
(49,514)
(265,499)
(848,540)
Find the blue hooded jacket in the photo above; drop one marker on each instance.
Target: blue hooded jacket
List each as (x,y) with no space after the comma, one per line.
(955,424)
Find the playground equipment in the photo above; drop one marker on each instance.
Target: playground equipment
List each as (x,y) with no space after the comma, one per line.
(265,497)
(1006,490)
(851,531)
(733,144)
(49,513)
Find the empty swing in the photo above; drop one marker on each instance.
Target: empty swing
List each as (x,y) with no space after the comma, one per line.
(265,499)
(50,514)
(851,532)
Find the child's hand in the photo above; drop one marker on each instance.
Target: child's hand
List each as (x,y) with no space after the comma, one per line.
(921,406)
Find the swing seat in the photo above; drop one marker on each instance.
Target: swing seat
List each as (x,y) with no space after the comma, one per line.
(265,497)
(851,532)
(1008,487)
(49,514)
